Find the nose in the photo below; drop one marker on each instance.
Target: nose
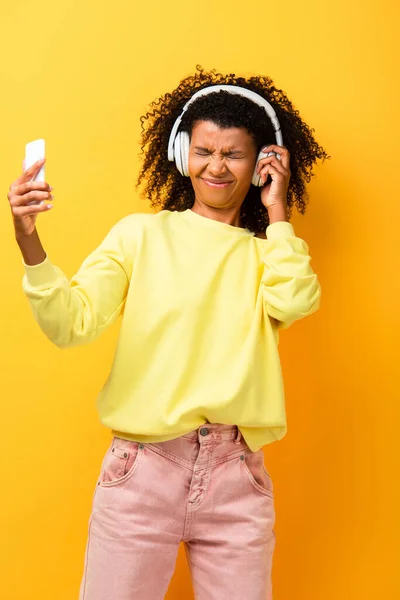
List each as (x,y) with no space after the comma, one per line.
(217,166)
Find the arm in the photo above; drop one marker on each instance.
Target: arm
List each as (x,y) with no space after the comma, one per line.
(291,289)
(77,311)
(74,312)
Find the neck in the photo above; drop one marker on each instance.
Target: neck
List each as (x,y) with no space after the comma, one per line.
(230,216)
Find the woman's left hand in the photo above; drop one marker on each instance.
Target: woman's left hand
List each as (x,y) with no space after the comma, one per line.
(275,193)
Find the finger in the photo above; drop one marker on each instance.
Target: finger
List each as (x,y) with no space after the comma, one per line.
(275,148)
(269,170)
(282,151)
(264,175)
(28,186)
(271,160)
(34,196)
(28,174)
(25,211)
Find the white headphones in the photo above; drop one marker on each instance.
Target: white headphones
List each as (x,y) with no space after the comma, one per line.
(179,141)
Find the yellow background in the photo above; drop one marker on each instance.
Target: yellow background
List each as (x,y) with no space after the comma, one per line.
(80,74)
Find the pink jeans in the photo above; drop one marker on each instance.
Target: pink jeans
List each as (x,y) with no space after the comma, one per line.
(207,489)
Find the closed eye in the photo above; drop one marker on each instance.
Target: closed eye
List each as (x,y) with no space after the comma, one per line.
(206,152)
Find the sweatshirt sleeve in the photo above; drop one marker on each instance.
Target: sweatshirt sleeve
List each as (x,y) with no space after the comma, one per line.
(291,289)
(74,312)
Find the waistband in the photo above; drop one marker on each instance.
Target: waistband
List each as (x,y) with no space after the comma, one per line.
(210,432)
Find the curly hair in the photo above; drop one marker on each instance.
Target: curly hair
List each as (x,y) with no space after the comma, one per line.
(167,189)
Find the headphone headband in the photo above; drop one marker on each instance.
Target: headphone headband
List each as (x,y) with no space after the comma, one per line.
(233,89)
(179,141)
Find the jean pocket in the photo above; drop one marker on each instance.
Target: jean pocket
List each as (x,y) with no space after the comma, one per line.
(119,463)
(257,474)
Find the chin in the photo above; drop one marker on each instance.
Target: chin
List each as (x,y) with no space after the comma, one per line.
(216,199)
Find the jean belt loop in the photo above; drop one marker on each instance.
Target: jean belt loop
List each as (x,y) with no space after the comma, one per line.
(238,437)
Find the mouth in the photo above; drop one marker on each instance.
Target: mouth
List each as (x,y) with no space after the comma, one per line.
(215,183)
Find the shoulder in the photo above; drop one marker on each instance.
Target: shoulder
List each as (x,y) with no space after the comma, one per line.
(135,227)
(137,222)
(133,221)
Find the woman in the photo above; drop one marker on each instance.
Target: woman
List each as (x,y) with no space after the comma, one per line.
(203,287)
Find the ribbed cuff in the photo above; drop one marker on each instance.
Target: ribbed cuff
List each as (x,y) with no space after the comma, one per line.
(43,275)
(280,229)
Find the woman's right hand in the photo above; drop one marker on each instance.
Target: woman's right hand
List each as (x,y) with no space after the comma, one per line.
(22,192)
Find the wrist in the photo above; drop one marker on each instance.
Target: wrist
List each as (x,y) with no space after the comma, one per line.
(23,237)
(277,212)
(31,248)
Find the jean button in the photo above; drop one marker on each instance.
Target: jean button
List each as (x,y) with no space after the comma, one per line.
(204,431)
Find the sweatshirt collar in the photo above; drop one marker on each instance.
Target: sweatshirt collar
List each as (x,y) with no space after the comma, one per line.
(194,217)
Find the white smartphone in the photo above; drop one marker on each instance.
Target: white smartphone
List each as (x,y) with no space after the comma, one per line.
(34,151)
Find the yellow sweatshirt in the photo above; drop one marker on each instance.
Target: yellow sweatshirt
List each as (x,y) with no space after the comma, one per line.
(202,303)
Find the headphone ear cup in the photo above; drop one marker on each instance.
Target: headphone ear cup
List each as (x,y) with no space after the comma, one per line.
(256,180)
(177,152)
(185,145)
